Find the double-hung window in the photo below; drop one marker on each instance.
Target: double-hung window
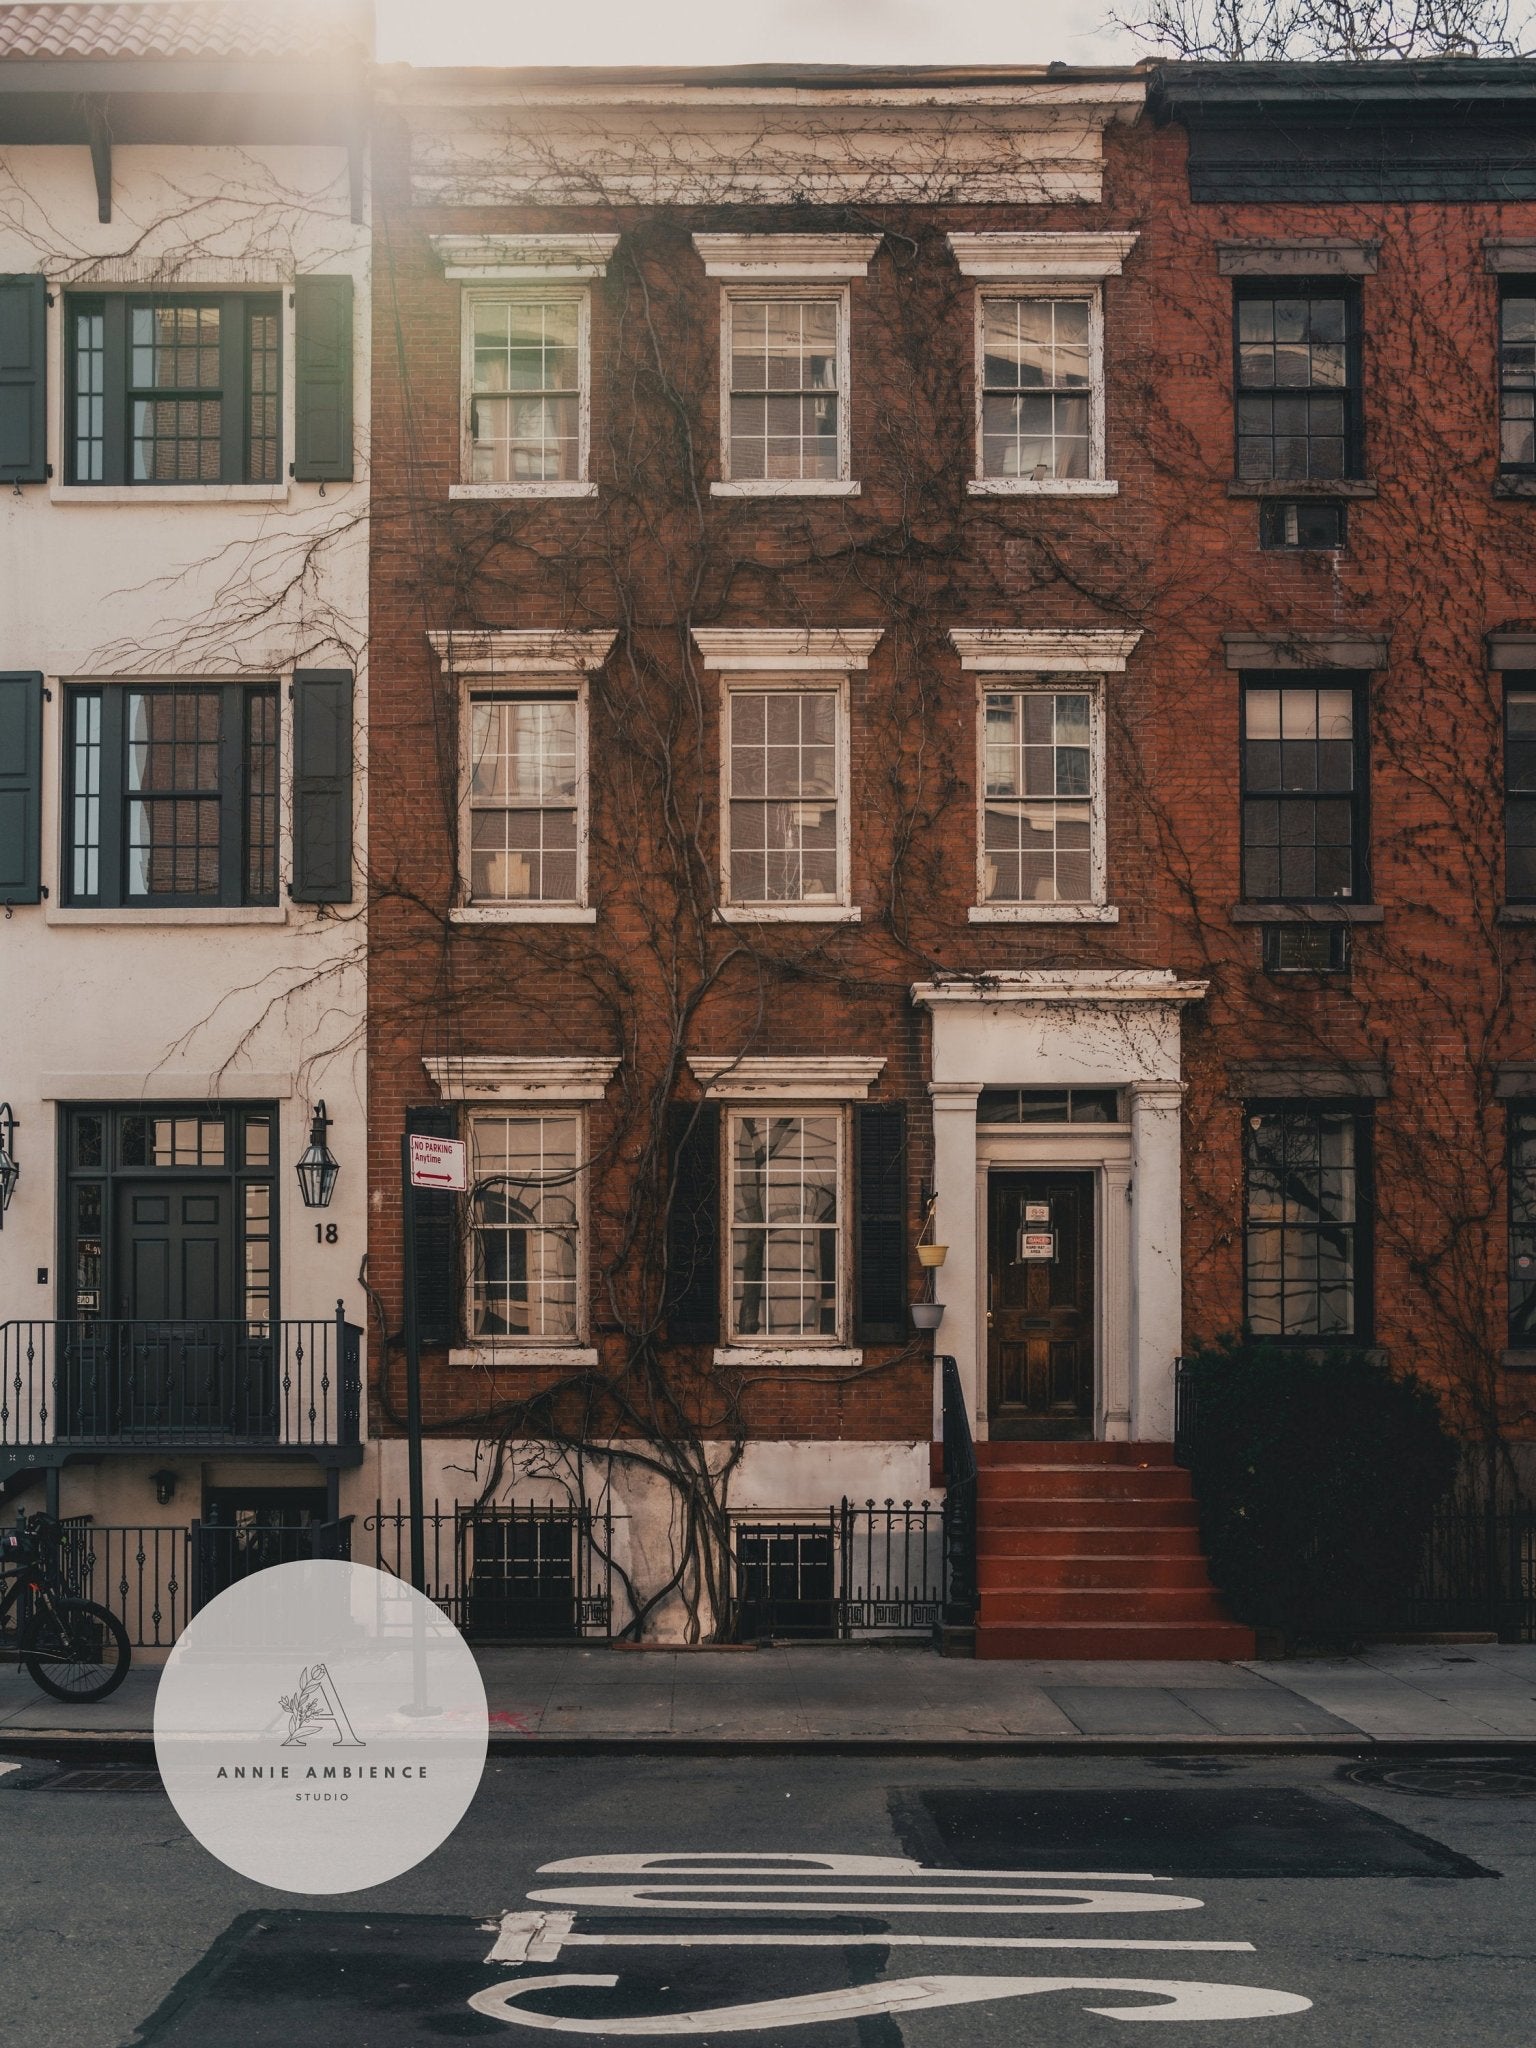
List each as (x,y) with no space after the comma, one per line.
(1041,378)
(527,388)
(171,795)
(1520,790)
(525,1225)
(1038,832)
(1517,375)
(1298,382)
(785,1203)
(525,793)
(1307,1249)
(174,388)
(785,803)
(1304,818)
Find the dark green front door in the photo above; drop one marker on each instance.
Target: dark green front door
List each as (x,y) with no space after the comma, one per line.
(1040,1310)
(175,1251)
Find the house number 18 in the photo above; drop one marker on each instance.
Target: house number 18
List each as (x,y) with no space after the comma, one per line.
(325,1233)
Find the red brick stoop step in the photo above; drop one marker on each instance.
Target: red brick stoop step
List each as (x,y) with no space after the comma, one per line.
(1092,1551)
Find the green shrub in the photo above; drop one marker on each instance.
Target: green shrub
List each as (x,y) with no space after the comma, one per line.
(1317,1474)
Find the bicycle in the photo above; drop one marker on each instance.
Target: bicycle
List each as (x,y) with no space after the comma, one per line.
(73,1648)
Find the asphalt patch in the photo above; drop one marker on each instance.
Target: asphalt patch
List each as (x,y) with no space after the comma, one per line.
(1183,1831)
(382,1980)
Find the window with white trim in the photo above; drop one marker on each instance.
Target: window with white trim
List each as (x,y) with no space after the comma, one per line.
(526,794)
(525,1225)
(786,378)
(786,1233)
(527,386)
(785,828)
(1041,386)
(1042,803)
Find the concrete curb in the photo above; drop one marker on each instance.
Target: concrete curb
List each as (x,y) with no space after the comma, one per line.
(138,1747)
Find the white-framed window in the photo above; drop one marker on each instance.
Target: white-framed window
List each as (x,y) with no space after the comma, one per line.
(785,321)
(526,798)
(1039,359)
(1040,372)
(526,1265)
(1042,793)
(785,1201)
(527,387)
(785,819)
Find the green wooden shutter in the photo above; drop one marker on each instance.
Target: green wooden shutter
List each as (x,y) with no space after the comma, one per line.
(882,1223)
(322,786)
(323,379)
(693,1227)
(23,380)
(21,788)
(438,1280)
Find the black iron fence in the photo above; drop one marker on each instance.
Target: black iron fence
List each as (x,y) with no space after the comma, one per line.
(1478,1572)
(834,1574)
(113,1384)
(510,1572)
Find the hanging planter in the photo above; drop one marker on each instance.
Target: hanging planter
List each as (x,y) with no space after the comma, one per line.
(932,1254)
(927,1315)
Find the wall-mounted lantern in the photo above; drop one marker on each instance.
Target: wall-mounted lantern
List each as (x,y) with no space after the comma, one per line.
(317,1168)
(164,1483)
(10,1172)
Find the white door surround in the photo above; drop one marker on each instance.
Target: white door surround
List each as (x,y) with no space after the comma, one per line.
(1086,1029)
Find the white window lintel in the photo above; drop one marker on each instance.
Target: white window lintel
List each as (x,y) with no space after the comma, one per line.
(500,652)
(1000,258)
(841,1078)
(835,649)
(812,259)
(1003,650)
(524,259)
(497,1077)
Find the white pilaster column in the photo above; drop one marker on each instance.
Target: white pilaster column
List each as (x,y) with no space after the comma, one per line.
(957,1283)
(1157,1215)
(1115,1304)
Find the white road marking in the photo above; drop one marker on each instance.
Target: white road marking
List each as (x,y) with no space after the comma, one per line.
(714,1864)
(841,1898)
(1181,2001)
(4,1768)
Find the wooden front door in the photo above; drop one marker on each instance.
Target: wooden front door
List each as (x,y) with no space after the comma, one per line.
(1040,1310)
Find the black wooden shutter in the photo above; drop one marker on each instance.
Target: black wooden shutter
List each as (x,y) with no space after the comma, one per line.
(693,1229)
(881,1285)
(23,380)
(322,786)
(322,451)
(21,788)
(438,1280)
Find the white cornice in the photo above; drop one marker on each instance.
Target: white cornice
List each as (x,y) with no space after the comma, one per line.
(520,258)
(506,653)
(836,648)
(842,1079)
(998,257)
(494,1077)
(999,649)
(1093,986)
(813,258)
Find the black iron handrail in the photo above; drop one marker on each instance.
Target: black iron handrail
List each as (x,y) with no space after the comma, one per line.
(121,1383)
(958,1620)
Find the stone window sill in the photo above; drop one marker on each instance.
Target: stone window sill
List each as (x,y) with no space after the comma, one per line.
(169,494)
(789,1354)
(1516,913)
(1514,487)
(1307,913)
(1301,487)
(1043,487)
(260,913)
(1043,913)
(505,1351)
(1518,1360)
(803,487)
(535,913)
(789,913)
(551,490)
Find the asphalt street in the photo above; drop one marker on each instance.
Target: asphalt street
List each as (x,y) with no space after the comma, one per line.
(828,1901)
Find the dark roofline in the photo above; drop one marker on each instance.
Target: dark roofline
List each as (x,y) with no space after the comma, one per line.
(1181,91)
(807,77)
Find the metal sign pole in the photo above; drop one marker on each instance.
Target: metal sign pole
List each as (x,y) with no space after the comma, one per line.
(412,1371)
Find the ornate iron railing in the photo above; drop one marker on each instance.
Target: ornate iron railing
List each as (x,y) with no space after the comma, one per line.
(955,1633)
(123,1385)
(509,1572)
(853,1570)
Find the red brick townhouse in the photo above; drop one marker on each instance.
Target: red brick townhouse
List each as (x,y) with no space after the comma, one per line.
(940,647)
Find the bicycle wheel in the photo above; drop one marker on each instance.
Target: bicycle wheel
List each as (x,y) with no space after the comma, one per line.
(76,1650)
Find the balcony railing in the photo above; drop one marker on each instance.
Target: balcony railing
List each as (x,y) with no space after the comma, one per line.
(127,1385)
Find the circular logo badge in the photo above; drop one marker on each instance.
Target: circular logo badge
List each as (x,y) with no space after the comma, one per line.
(321,1727)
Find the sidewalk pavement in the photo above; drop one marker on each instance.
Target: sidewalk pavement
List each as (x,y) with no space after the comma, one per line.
(799,1696)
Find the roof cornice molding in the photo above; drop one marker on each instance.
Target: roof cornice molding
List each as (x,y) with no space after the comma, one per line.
(524,257)
(998,257)
(1092,986)
(842,1078)
(498,651)
(1001,649)
(815,258)
(496,1077)
(836,648)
